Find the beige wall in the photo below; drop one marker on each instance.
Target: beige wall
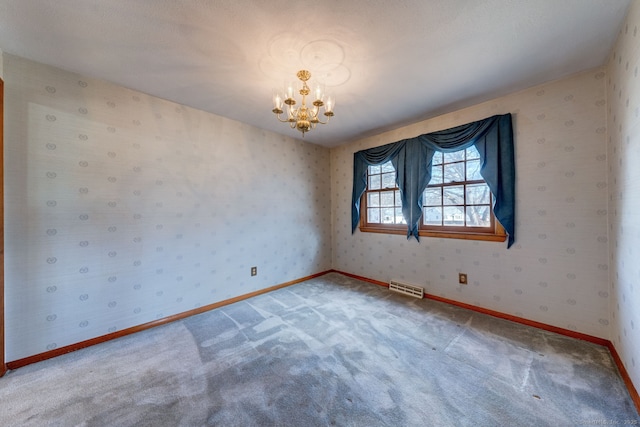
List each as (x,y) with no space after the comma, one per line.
(623,93)
(556,272)
(122,208)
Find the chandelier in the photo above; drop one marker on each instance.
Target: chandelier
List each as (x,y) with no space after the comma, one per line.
(303,118)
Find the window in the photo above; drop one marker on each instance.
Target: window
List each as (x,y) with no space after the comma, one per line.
(383,196)
(456,203)
(464,218)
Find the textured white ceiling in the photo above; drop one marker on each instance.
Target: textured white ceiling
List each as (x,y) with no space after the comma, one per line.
(389,63)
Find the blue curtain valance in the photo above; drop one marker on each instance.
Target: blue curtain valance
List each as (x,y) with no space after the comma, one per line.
(411,158)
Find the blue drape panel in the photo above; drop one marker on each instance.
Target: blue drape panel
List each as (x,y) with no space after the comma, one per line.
(410,176)
(361,161)
(411,158)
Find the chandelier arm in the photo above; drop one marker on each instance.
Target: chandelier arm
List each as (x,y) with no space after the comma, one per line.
(280,120)
(321,122)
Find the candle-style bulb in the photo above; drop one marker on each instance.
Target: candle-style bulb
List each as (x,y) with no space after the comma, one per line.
(329,104)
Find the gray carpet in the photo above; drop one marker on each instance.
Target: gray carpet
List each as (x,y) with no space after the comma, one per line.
(329,351)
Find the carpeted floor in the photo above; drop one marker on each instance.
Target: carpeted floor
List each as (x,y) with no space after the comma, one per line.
(329,351)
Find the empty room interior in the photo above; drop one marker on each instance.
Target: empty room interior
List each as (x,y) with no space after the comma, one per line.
(222,212)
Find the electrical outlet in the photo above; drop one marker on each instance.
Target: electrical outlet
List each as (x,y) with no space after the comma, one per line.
(254,271)
(462,278)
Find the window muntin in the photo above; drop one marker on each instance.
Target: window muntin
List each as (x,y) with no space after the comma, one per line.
(457,197)
(456,203)
(382,197)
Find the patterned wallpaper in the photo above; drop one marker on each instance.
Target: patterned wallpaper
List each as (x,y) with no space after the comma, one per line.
(122,208)
(557,270)
(623,91)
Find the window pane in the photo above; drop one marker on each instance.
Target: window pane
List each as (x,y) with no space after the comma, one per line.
(374,182)
(456,156)
(432,216)
(432,196)
(373,199)
(453,215)
(386,198)
(387,167)
(373,216)
(399,217)
(388,180)
(436,175)
(454,195)
(478,194)
(454,172)
(437,158)
(473,170)
(398,199)
(374,169)
(478,216)
(472,153)
(388,215)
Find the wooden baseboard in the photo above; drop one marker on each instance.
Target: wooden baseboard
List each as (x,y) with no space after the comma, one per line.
(567,332)
(573,334)
(364,279)
(633,392)
(104,338)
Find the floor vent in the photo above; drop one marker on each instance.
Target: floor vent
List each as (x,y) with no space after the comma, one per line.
(403,288)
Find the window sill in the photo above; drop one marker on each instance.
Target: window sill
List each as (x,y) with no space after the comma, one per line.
(499,236)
